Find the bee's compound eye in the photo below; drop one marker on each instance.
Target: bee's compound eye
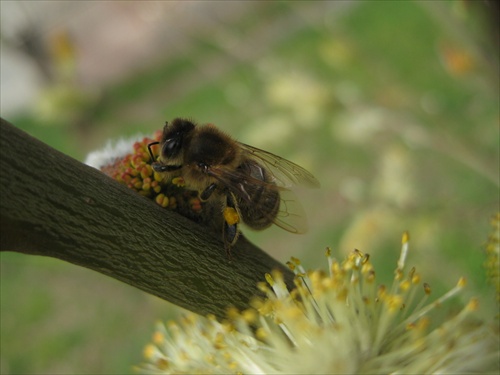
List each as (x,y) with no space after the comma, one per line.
(171,147)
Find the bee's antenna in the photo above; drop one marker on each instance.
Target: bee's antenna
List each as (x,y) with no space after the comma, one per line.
(151,152)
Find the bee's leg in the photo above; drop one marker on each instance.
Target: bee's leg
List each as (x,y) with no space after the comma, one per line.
(230,231)
(230,234)
(205,194)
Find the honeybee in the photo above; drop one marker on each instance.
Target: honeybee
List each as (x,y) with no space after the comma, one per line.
(247,184)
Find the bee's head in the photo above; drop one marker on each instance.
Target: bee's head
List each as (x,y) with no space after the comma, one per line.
(174,135)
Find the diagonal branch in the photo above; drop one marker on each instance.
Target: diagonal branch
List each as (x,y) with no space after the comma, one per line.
(53,205)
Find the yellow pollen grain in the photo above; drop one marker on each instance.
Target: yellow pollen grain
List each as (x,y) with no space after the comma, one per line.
(293,312)
(277,276)
(149,351)
(233,313)
(406,238)
(158,337)
(262,286)
(228,327)
(261,333)
(157,177)
(269,279)
(349,263)
(315,277)
(145,172)
(366,268)
(462,282)
(335,268)
(473,304)
(162,200)
(405,285)
(231,216)
(328,283)
(249,315)
(179,181)
(394,303)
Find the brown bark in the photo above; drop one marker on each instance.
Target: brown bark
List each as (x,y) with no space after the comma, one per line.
(53,205)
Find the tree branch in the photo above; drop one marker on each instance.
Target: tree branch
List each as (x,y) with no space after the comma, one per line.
(53,205)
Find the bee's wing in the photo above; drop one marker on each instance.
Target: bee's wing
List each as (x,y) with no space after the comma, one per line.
(291,216)
(285,173)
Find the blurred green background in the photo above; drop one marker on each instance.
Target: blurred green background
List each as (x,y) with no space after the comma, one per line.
(394,106)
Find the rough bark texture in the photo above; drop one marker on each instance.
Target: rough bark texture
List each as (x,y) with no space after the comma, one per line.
(53,205)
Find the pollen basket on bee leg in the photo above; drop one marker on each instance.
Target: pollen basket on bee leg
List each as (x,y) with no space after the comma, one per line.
(231,216)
